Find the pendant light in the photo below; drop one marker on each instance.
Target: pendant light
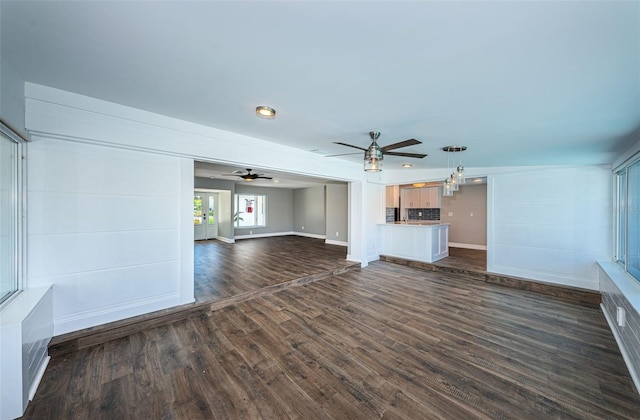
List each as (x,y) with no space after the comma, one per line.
(456,178)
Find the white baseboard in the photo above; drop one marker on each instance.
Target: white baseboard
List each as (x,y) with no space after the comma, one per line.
(38,377)
(310,235)
(264,235)
(226,240)
(627,359)
(332,242)
(85,319)
(546,277)
(467,246)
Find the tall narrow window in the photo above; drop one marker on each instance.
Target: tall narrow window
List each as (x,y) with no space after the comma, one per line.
(621,216)
(633,220)
(251,210)
(8,217)
(627,216)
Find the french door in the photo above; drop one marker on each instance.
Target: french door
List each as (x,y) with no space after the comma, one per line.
(205,220)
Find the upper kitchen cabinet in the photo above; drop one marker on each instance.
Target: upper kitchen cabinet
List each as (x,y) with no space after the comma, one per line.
(421,198)
(430,197)
(393,196)
(412,198)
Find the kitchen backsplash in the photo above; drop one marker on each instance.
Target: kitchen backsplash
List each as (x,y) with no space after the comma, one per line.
(390,216)
(424,214)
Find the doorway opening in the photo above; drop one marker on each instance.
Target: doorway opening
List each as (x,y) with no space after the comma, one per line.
(205,215)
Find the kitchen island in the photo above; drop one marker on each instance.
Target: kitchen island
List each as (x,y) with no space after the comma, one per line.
(418,241)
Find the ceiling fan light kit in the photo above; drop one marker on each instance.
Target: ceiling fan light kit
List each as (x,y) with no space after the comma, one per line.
(265,112)
(374,154)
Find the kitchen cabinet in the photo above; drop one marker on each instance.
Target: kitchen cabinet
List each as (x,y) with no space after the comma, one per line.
(412,198)
(430,197)
(421,198)
(393,196)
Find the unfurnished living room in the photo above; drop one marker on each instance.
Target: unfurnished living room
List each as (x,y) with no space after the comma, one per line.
(319,209)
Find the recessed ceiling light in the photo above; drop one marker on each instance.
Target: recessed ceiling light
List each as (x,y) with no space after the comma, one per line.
(406,165)
(265,112)
(276,181)
(477,180)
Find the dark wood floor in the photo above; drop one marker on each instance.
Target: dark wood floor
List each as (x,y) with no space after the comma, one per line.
(465,259)
(223,270)
(388,341)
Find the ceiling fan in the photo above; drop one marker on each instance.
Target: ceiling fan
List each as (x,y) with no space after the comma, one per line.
(374,153)
(248,176)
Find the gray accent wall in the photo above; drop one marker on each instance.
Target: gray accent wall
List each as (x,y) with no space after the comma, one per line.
(337,208)
(279,209)
(308,210)
(466,229)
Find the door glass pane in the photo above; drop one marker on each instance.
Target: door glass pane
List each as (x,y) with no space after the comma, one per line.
(211,213)
(8,217)
(197,210)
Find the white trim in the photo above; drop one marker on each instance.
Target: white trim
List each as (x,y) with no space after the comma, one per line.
(263,235)
(332,242)
(38,377)
(547,277)
(226,240)
(467,246)
(310,235)
(104,315)
(627,359)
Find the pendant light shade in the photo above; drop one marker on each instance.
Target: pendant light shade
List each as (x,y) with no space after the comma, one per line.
(460,176)
(446,188)
(453,182)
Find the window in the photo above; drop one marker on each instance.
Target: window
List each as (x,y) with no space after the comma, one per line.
(251,210)
(627,217)
(9,212)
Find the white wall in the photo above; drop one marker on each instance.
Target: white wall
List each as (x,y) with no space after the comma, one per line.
(104,228)
(102,261)
(372,215)
(543,223)
(551,225)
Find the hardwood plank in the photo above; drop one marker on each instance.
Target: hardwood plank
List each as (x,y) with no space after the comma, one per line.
(388,341)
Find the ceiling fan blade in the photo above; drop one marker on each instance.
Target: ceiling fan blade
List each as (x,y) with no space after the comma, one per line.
(411,155)
(263,177)
(409,142)
(232,175)
(349,145)
(343,154)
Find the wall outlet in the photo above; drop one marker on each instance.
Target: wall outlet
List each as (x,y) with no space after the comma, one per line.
(337,234)
(450,214)
(471,214)
(250,232)
(302,227)
(621,316)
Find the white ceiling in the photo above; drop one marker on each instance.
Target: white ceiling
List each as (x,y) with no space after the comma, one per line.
(519,83)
